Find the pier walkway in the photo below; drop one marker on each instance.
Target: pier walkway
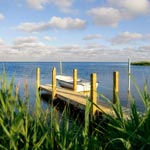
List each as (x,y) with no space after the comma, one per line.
(75,98)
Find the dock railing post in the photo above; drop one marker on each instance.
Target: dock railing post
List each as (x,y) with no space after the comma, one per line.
(93,94)
(75,74)
(129,74)
(60,65)
(115,86)
(53,83)
(37,78)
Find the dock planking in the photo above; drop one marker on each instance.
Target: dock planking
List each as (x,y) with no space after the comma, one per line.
(77,99)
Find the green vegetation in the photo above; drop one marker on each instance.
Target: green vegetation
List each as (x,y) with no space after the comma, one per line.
(23,129)
(141,63)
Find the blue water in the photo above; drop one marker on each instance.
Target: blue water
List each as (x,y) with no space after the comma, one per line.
(26,72)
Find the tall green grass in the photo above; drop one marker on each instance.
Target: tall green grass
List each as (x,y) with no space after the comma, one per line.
(23,129)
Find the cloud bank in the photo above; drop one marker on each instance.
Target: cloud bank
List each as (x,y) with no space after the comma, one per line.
(67,23)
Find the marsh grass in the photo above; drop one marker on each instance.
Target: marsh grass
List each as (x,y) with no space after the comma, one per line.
(22,129)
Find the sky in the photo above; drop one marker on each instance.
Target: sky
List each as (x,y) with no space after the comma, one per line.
(74,30)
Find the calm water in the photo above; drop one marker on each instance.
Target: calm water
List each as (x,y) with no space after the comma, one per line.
(26,71)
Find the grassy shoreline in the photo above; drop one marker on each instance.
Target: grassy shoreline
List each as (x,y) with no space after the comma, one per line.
(141,63)
(44,129)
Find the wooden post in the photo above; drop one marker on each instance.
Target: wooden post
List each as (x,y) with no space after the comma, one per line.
(53,83)
(75,74)
(129,73)
(37,78)
(115,86)
(60,65)
(93,94)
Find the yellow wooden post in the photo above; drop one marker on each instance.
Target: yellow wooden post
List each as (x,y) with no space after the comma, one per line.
(93,93)
(115,86)
(53,83)
(75,76)
(37,78)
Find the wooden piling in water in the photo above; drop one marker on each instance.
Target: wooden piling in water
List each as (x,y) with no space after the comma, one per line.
(37,78)
(75,76)
(115,86)
(129,74)
(93,94)
(60,65)
(53,83)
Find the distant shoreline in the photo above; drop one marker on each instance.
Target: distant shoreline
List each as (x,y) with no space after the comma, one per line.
(141,63)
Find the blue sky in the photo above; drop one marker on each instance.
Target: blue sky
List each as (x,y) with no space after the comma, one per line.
(74,30)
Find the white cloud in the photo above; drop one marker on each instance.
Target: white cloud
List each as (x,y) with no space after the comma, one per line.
(134,8)
(67,23)
(7,53)
(94,46)
(145,48)
(35,46)
(2,16)
(105,16)
(55,22)
(147,36)
(127,37)
(117,10)
(33,27)
(28,43)
(1,41)
(37,4)
(90,1)
(92,37)
(69,48)
(26,49)
(21,40)
(63,5)
(50,39)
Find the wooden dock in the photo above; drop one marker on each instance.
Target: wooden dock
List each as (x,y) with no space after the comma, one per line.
(75,98)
